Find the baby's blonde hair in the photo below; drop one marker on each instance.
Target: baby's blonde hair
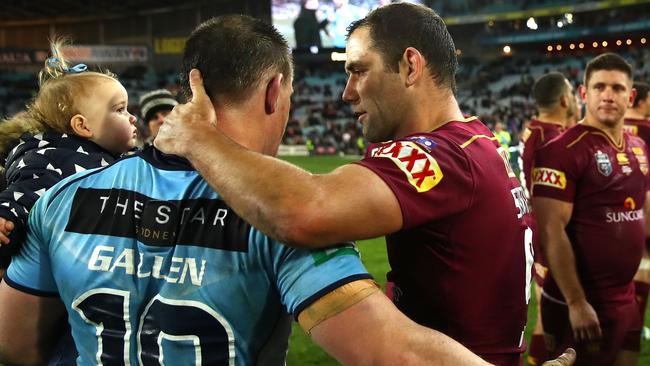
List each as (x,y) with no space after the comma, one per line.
(53,107)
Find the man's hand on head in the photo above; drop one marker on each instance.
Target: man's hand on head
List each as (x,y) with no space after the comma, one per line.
(187,122)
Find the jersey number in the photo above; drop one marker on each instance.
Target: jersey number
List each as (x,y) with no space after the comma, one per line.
(179,325)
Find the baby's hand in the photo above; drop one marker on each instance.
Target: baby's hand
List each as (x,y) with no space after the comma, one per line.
(6,227)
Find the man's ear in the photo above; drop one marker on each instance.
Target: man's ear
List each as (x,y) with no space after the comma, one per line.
(79,125)
(273,89)
(632,97)
(412,65)
(582,91)
(564,101)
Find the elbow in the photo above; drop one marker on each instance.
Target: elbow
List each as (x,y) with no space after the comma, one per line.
(300,231)
(302,226)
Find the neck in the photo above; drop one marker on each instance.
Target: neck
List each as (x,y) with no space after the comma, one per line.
(237,123)
(615,131)
(428,116)
(555,117)
(633,113)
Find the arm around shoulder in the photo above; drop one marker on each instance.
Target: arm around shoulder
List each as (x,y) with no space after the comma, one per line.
(350,203)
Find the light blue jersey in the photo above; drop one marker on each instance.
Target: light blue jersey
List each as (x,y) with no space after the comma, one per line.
(154,268)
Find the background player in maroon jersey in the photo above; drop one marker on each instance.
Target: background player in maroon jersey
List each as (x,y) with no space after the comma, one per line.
(556,106)
(637,117)
(458,221)
(637,122)
(589,190)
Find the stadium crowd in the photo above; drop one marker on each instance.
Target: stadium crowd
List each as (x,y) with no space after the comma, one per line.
(321,120)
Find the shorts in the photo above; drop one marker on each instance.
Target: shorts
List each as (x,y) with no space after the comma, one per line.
(619,324)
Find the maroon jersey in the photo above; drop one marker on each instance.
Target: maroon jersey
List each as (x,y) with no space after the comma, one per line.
(462,261)
(638,127)
(606,184)
(535,136)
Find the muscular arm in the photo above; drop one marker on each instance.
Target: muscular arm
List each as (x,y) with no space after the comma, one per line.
(552,218)
(29,326)
(292,205)
(374,332)
(282,200)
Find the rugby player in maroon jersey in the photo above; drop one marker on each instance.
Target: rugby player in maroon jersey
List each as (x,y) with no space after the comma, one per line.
(589,192)
(556,106)
(637,122)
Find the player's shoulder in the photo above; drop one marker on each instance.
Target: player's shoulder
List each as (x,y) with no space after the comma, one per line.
(463,133)
(637,121)
(572,138)
(70,183)
(634,140)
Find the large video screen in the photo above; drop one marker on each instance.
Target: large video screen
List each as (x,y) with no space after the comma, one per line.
(320,23)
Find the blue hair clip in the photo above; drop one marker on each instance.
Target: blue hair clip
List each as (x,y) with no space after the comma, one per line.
(55,62)
(76,69)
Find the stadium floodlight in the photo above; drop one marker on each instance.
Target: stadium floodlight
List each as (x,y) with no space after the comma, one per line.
(507,49)
(568,18)
(531,24)
(338,56)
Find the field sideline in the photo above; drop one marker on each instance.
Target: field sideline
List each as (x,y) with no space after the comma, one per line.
(303,352)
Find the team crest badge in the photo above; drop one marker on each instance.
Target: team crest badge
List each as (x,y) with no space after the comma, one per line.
(603,163)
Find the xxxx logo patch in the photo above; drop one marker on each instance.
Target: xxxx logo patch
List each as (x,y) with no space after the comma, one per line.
(549,177)
(420,168)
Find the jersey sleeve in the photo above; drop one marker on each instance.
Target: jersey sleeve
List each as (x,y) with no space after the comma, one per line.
(430,180)
(30,270)
(304,276)
(555,172)
(530,140)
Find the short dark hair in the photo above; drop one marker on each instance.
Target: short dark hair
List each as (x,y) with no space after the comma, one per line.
(396,26)
(548,89)
(233,53)
(641,92)
(607,61)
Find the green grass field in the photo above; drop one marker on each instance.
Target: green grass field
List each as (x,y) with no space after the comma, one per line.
(302,351)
